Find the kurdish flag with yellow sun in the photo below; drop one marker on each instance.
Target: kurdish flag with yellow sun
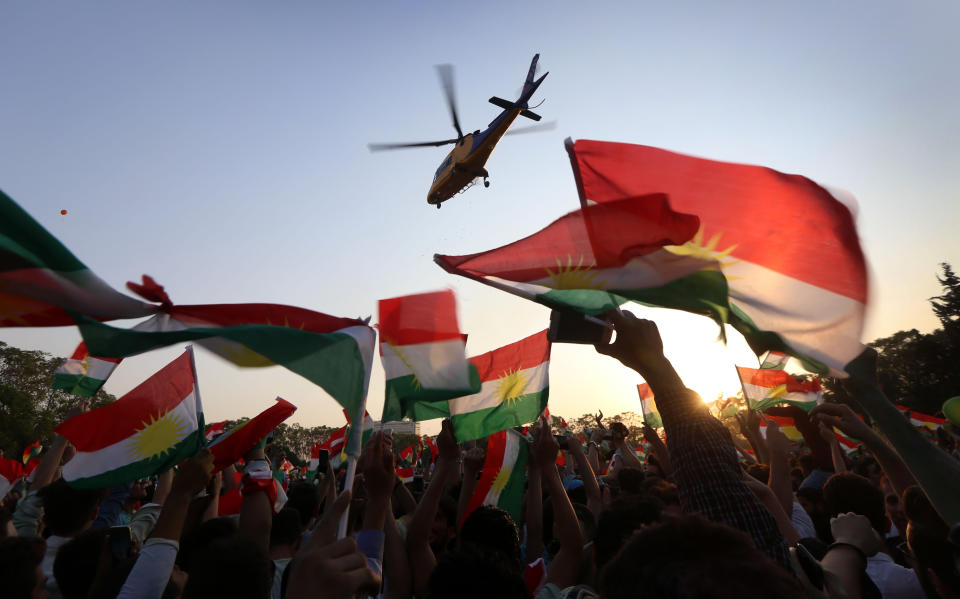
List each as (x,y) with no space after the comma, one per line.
(787,245)
(145,432)
(596,258)
(513,389)
(503,474)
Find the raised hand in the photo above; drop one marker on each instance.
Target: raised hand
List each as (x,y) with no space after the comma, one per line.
(473,460)
(193,475)
(377,465)
(328,567)
(638,344)
(857,531)
(776,440)
(447,443)
(545,447)
(843,418)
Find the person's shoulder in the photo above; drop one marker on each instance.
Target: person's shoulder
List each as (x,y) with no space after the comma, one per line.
(552,591)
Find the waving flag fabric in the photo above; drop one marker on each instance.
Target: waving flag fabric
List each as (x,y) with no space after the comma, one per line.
(147,431)
(503,475)
(405,463)
(651,416)
(594,259)
(423,352)
(514,390)
(40,280)
(32,451)
(767,387)
(10,472)
(82,374)
(787,427)
(215,430)
(334,353)
(787,246)
(229,447)
(774,360)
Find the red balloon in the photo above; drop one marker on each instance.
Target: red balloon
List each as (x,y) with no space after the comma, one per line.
(63,212)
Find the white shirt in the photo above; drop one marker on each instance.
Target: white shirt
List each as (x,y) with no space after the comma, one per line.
(893,580)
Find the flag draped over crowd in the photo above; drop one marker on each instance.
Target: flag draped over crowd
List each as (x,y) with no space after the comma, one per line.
(787,246)
(423,352)
(150,429)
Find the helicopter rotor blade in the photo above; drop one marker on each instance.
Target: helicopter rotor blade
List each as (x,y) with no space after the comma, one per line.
(548,126)
(423,144)
(445,72)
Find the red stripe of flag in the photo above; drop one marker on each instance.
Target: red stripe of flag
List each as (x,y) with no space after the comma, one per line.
(81,352)
(496,447)
(158,394)
(230,446)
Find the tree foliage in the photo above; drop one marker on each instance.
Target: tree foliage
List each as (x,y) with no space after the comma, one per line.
(29,408)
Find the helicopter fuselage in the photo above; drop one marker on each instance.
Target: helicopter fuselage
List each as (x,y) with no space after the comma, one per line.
(466,160)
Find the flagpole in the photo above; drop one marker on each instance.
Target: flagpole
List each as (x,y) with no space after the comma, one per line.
(201,425)
(353,448)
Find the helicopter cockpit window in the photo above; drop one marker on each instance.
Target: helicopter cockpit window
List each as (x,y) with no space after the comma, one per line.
(443,167)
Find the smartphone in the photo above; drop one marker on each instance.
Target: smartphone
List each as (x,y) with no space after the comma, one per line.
(119,541)
(572,327)
(323,459)
(810,566)
(561,441)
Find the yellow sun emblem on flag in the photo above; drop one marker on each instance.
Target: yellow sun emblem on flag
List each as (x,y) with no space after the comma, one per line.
(501,480)
(697,249)
(573,276)
(778,391)
(158,436)
(510,386)
(405,360)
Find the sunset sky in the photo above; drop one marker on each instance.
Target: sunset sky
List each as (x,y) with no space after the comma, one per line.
(221,148)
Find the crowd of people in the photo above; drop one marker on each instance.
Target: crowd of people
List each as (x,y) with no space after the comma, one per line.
(696,518)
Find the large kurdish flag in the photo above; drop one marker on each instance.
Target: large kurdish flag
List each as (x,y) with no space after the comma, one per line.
(514,389)
(40,280)
(145,432)
(596,258)
(334,353)
(423,352)
(788,246)
(765,387)
(83,374)
(503,476)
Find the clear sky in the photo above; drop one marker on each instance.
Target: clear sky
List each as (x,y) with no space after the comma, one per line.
(221,148)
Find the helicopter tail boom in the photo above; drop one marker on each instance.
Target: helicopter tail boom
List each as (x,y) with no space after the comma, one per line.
(530,85)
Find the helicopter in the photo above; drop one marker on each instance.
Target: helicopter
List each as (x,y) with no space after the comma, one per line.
(465,163)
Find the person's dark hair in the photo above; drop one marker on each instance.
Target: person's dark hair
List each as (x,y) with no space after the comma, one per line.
(19,558)
(662,490)
(761,472)
(849,492)
(66,511)
(234,567)
(806,463)
(5,516)
(927,536)
(690,557)
(305,498)
(197,541)
(619,521)
(286,527)
(865,466)
(492,528)
(578,494)
(75,566)
(473,572)
(631,480)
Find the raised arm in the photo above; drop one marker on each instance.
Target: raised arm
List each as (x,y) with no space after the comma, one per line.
(778,446)
(472,465)
(587,475)
(845,419)
(422,560)
(534,514)
(704,461)
(259,492)
(658,448)
(630,459)
(836,454)
(566,563)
